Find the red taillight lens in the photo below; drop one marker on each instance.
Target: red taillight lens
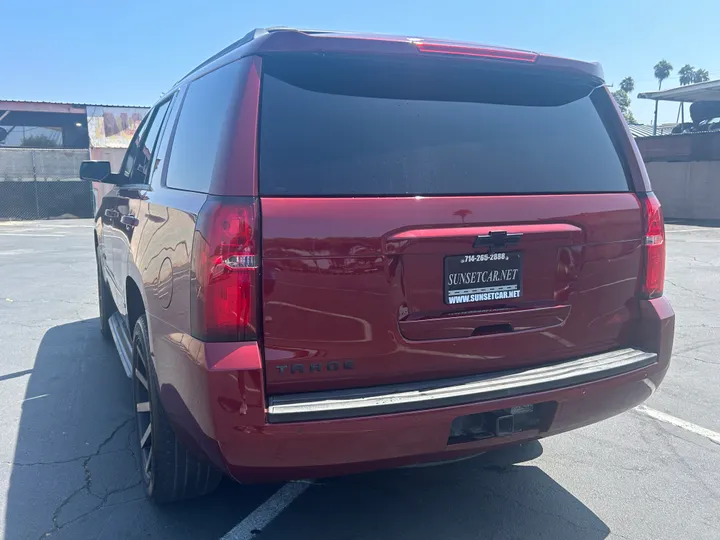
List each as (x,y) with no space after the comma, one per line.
(483,52)
(225,270)
(653,279)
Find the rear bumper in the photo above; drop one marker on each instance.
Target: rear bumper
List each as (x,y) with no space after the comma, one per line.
(312,435)
(460,391)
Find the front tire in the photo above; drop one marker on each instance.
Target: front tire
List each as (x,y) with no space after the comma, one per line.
(170,473)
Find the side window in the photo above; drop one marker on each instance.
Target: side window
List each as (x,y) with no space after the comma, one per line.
(160,153)
(145,146)
(132,151)
(205,118)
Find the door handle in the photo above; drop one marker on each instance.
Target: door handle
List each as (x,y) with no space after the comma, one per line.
(111,213)
(130,221)
(155,219)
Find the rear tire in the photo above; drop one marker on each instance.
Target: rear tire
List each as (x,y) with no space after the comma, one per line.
(105,302)
(170,473)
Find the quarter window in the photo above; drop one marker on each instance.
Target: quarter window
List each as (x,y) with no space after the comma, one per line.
(205,119)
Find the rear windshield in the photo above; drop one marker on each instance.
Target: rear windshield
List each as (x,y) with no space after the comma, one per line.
(355,127)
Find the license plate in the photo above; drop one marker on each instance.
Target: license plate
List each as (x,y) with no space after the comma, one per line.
(486,277)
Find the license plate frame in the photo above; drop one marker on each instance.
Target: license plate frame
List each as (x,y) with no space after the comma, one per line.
(482,277)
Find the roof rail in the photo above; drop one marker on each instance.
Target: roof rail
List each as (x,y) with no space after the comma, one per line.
(247,38)
(302,30)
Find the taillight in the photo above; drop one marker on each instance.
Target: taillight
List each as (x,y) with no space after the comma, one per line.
(483,52)
(653,278)
(224,276)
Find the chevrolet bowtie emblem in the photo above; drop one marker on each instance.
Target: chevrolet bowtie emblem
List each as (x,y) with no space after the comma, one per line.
(497,240)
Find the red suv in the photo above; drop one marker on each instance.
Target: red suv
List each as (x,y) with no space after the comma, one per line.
(327,253)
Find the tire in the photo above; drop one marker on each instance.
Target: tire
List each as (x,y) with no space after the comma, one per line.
(170,473)
(105,302)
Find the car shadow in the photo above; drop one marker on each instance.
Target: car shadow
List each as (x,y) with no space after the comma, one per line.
(466,500)
(75,475)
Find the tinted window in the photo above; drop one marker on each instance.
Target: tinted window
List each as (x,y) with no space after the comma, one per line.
(161,145)
(143,147)
(330,128)
(205,117)
(132,151)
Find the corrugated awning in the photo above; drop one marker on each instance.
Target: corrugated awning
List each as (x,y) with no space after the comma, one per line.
(707,91)
(41,106)
(638,130)
(55,106)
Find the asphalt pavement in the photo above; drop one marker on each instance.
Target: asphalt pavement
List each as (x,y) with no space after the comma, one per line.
(68,467)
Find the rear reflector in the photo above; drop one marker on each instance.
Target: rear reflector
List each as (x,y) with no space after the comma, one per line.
(483,52)
(225,270)
(653,278)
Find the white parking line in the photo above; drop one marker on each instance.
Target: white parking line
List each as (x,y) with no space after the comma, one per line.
(267,511)
(35,397)
(32,235)
(263,515)
(677,422)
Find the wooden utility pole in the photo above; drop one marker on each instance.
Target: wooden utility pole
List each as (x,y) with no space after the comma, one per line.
(655,121)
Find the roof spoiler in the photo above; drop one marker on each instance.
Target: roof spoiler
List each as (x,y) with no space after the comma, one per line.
(284,39)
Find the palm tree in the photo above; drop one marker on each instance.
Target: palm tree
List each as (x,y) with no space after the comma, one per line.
(622,98)
(627,85)
(689,75)
(687,72)
(700,75)
(662,72)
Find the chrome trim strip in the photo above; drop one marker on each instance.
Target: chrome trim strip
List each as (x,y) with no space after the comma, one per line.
(458,391)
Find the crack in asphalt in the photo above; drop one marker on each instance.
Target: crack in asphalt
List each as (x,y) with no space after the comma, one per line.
(86,487)
(699,344)
(614,465)
(664,430)
(696,294)
(60,461)
(129,501)
(690,470)
(694,358)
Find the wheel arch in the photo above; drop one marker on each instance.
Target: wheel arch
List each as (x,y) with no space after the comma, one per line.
(135,303)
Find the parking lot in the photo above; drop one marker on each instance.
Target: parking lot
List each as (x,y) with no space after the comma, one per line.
(68,468)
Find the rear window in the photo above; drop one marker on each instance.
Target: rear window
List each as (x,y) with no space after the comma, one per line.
(354,127)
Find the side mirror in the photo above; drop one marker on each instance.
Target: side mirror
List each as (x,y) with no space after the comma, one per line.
(96,171)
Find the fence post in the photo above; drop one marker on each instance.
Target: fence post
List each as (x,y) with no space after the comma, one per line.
(34,171)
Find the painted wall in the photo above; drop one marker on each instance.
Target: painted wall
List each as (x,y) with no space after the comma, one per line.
(687,190)
(113,127)
(110,130)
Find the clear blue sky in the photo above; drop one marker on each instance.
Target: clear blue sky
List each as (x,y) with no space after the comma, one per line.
(129,52)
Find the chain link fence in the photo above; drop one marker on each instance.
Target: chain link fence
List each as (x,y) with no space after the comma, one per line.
(43,183)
